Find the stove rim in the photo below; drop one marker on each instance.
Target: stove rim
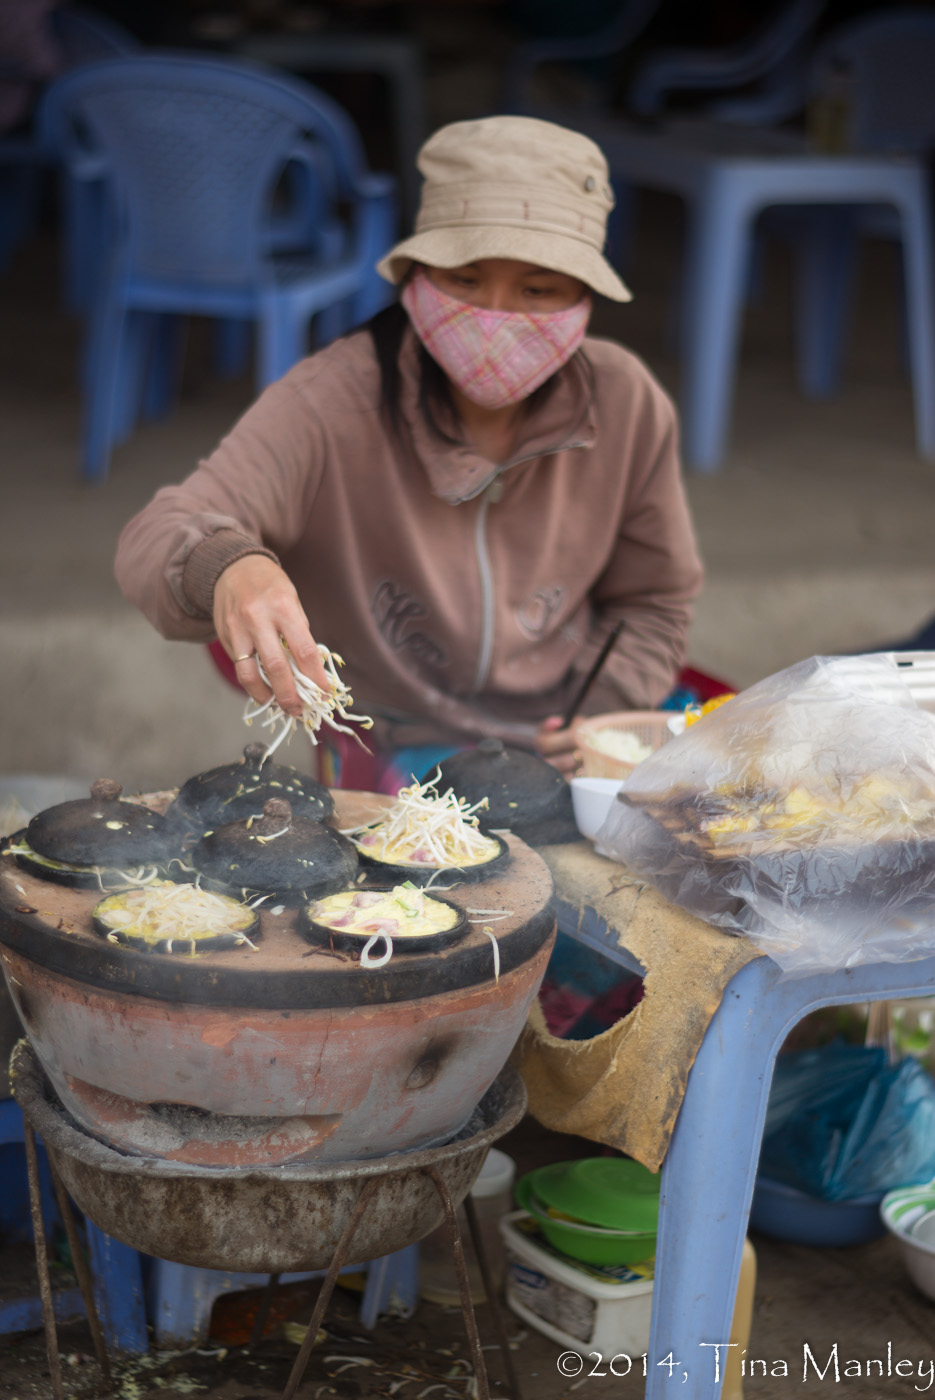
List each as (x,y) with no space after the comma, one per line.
(411,977)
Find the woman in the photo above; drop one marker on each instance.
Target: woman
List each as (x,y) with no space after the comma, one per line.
(460,498)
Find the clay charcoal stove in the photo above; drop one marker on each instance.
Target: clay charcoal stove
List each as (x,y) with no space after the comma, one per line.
(277,1049)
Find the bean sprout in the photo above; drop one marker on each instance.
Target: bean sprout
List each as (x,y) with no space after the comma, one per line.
(367,961)
(318,706)
(496,954)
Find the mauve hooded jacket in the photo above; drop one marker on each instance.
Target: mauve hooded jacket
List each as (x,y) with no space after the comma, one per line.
(468,598)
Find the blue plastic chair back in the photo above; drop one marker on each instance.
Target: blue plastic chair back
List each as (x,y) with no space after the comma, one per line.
(195,148)
(773,54)
(84,36)
(888,59)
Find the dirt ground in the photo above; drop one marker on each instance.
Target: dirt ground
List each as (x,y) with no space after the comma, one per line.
(852,1306)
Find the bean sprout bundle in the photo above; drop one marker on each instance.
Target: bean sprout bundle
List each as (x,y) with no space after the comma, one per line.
(318,706)
(429,828)
(174,914)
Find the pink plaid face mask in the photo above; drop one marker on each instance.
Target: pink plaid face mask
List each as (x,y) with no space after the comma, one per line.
(495,357)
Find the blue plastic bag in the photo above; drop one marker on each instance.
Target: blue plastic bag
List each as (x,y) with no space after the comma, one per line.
(842,1123)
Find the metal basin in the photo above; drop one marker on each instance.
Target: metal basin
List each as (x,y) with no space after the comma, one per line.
(268,1220)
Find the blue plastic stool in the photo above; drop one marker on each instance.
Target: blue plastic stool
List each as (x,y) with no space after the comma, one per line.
(180,1298)
(115,1269)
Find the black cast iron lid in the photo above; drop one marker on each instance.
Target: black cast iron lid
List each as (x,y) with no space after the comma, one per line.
(276,853)
(525,794)
(103,829)
(238,790)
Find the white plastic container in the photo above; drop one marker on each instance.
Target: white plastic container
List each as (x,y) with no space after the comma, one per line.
(492,1195)
(568,1304)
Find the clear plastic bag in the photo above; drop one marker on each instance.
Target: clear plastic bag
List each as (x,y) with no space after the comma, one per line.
(842,1123)
(801,814)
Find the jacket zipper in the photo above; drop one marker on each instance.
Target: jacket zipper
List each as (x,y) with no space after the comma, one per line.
(489,494)
(492,493)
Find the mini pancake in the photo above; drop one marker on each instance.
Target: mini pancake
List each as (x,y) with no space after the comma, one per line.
(413,920)
(167,918)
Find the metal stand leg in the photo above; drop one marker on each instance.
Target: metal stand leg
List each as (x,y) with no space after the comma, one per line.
(491,1291)
(83,1274)
(464,1287)
(42,1263)
(327,1288)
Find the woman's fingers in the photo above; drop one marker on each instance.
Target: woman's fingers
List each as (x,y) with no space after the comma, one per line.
(558,746)
(255,609)
(304,651)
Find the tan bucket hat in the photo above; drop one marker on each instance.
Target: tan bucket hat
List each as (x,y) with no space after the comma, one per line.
(512,187)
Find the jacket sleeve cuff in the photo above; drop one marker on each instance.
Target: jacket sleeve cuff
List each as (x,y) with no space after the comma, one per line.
(207,562)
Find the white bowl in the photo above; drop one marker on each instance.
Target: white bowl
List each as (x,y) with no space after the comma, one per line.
(903,1212)
(924,1229)
(592,799)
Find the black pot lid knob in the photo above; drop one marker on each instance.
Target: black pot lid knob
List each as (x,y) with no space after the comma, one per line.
(277,813)
(492,748)
(105,790)
(254,755)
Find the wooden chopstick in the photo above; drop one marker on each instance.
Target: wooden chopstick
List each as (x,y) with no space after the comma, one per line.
(593,674)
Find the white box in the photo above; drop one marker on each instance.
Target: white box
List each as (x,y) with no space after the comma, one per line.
(545,1291)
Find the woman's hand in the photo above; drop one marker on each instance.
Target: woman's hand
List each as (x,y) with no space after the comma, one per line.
(256,609)
(558,746)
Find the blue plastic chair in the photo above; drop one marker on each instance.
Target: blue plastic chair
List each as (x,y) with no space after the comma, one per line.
(192,151)
(773,58)
(887,61)
(730,175)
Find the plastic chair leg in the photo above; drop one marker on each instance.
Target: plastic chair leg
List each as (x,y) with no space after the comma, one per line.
(331,322)
(281,342)
(105,343)
(132,371)
(824,279)
(707,1178)
(163,368)
(88,233)
(916,219)
(181,1299)
(118,1292)
(232,341)
(392,1285)
(715,280)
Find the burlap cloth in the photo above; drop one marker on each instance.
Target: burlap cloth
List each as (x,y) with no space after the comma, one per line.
(625,1087)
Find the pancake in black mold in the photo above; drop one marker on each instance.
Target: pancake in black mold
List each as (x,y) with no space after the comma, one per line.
(235,923)
(235,791)
(407,938)
(524,794)
(275,854)
(421,872)
(91,839)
